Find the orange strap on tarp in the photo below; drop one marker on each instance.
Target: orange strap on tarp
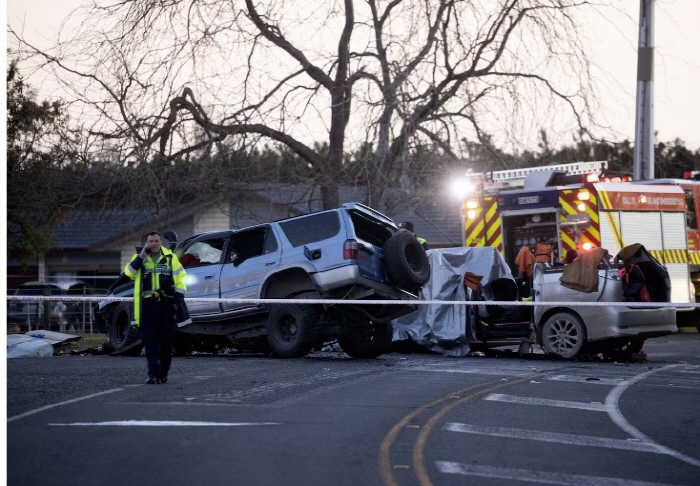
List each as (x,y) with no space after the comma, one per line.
(471,281)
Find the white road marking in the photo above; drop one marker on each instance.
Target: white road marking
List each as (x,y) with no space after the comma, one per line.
(269,391)
(589,379)
(498,397)
(542,477)
(581,440)
(67,402)
(478,371)
(612,404)
(164,423)
(188,403)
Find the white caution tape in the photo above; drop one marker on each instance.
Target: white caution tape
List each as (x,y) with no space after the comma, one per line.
(65,298)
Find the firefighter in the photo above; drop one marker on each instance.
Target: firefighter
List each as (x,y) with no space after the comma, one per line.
(159,290)
(408,227)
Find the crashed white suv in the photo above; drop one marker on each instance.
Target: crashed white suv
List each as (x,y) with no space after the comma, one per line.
(349,253)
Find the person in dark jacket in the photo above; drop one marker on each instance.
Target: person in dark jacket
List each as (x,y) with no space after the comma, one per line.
(408,227)
(159,290)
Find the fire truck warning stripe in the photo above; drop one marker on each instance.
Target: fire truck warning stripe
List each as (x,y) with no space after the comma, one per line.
(593,235)
(492,227)
(498,243)
(671,256)
(476,234)
(495,239)
(615,230)
(568,209)
(491,212)
(694,258)
(594,217)
(676,256)
(567,242)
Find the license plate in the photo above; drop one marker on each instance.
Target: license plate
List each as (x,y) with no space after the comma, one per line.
(529,200)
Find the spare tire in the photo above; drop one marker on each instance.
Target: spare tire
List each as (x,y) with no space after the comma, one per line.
(406,261)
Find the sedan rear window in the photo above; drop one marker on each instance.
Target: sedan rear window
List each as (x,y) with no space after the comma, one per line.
(312,228)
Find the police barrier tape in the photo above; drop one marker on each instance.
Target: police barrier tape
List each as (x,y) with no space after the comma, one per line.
(36,298)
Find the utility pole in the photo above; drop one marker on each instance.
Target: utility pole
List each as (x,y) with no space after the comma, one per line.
(643,158)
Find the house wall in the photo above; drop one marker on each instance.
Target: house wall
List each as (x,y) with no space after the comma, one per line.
(214,218)
(252,212)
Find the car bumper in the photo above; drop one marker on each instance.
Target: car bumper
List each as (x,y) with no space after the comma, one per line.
(607,322)
(337,281)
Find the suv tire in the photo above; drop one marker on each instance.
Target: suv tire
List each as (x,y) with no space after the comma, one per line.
(406,261)
(122,339)
(291,330)
(367,342)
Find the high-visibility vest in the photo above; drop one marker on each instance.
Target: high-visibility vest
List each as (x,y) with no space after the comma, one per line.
(423,242)
(165,273)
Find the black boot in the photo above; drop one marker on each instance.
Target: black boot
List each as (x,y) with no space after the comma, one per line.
(152,380)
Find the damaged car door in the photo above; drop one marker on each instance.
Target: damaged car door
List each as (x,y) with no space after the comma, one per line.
(203,259)
(251,255)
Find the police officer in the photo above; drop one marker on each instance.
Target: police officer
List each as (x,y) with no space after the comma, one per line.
(159,288)
(408,227)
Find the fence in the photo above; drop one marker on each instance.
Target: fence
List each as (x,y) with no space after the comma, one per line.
(67,315)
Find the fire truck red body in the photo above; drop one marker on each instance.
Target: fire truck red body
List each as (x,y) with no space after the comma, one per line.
(570,206)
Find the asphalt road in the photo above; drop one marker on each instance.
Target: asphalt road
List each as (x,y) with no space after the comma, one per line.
(330,420)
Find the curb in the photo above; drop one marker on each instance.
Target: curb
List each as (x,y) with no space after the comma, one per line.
(688,330)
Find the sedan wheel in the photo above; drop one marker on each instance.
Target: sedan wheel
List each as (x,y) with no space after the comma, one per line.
(563,335)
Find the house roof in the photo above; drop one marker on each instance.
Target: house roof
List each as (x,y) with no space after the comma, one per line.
(434,217)
(85,229)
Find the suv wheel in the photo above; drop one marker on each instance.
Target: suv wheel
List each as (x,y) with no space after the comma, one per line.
(291,330)
(122,339)
(406,261)
(367,342)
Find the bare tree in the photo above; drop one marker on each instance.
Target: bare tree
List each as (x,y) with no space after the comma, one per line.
(173,79)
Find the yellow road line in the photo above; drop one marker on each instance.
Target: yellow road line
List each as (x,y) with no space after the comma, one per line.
(385,466)
(385,469)
(418,455)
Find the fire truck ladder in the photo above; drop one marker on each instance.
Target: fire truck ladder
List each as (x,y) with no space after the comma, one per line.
(515,176)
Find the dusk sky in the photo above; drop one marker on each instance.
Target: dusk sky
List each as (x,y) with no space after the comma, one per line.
(613,44)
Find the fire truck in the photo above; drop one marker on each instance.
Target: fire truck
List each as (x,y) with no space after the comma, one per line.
(573,207)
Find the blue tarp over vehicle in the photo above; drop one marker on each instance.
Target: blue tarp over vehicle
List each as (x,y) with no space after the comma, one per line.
(441,328)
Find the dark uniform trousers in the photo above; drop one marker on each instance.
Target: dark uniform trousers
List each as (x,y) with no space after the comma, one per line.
(158,332)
